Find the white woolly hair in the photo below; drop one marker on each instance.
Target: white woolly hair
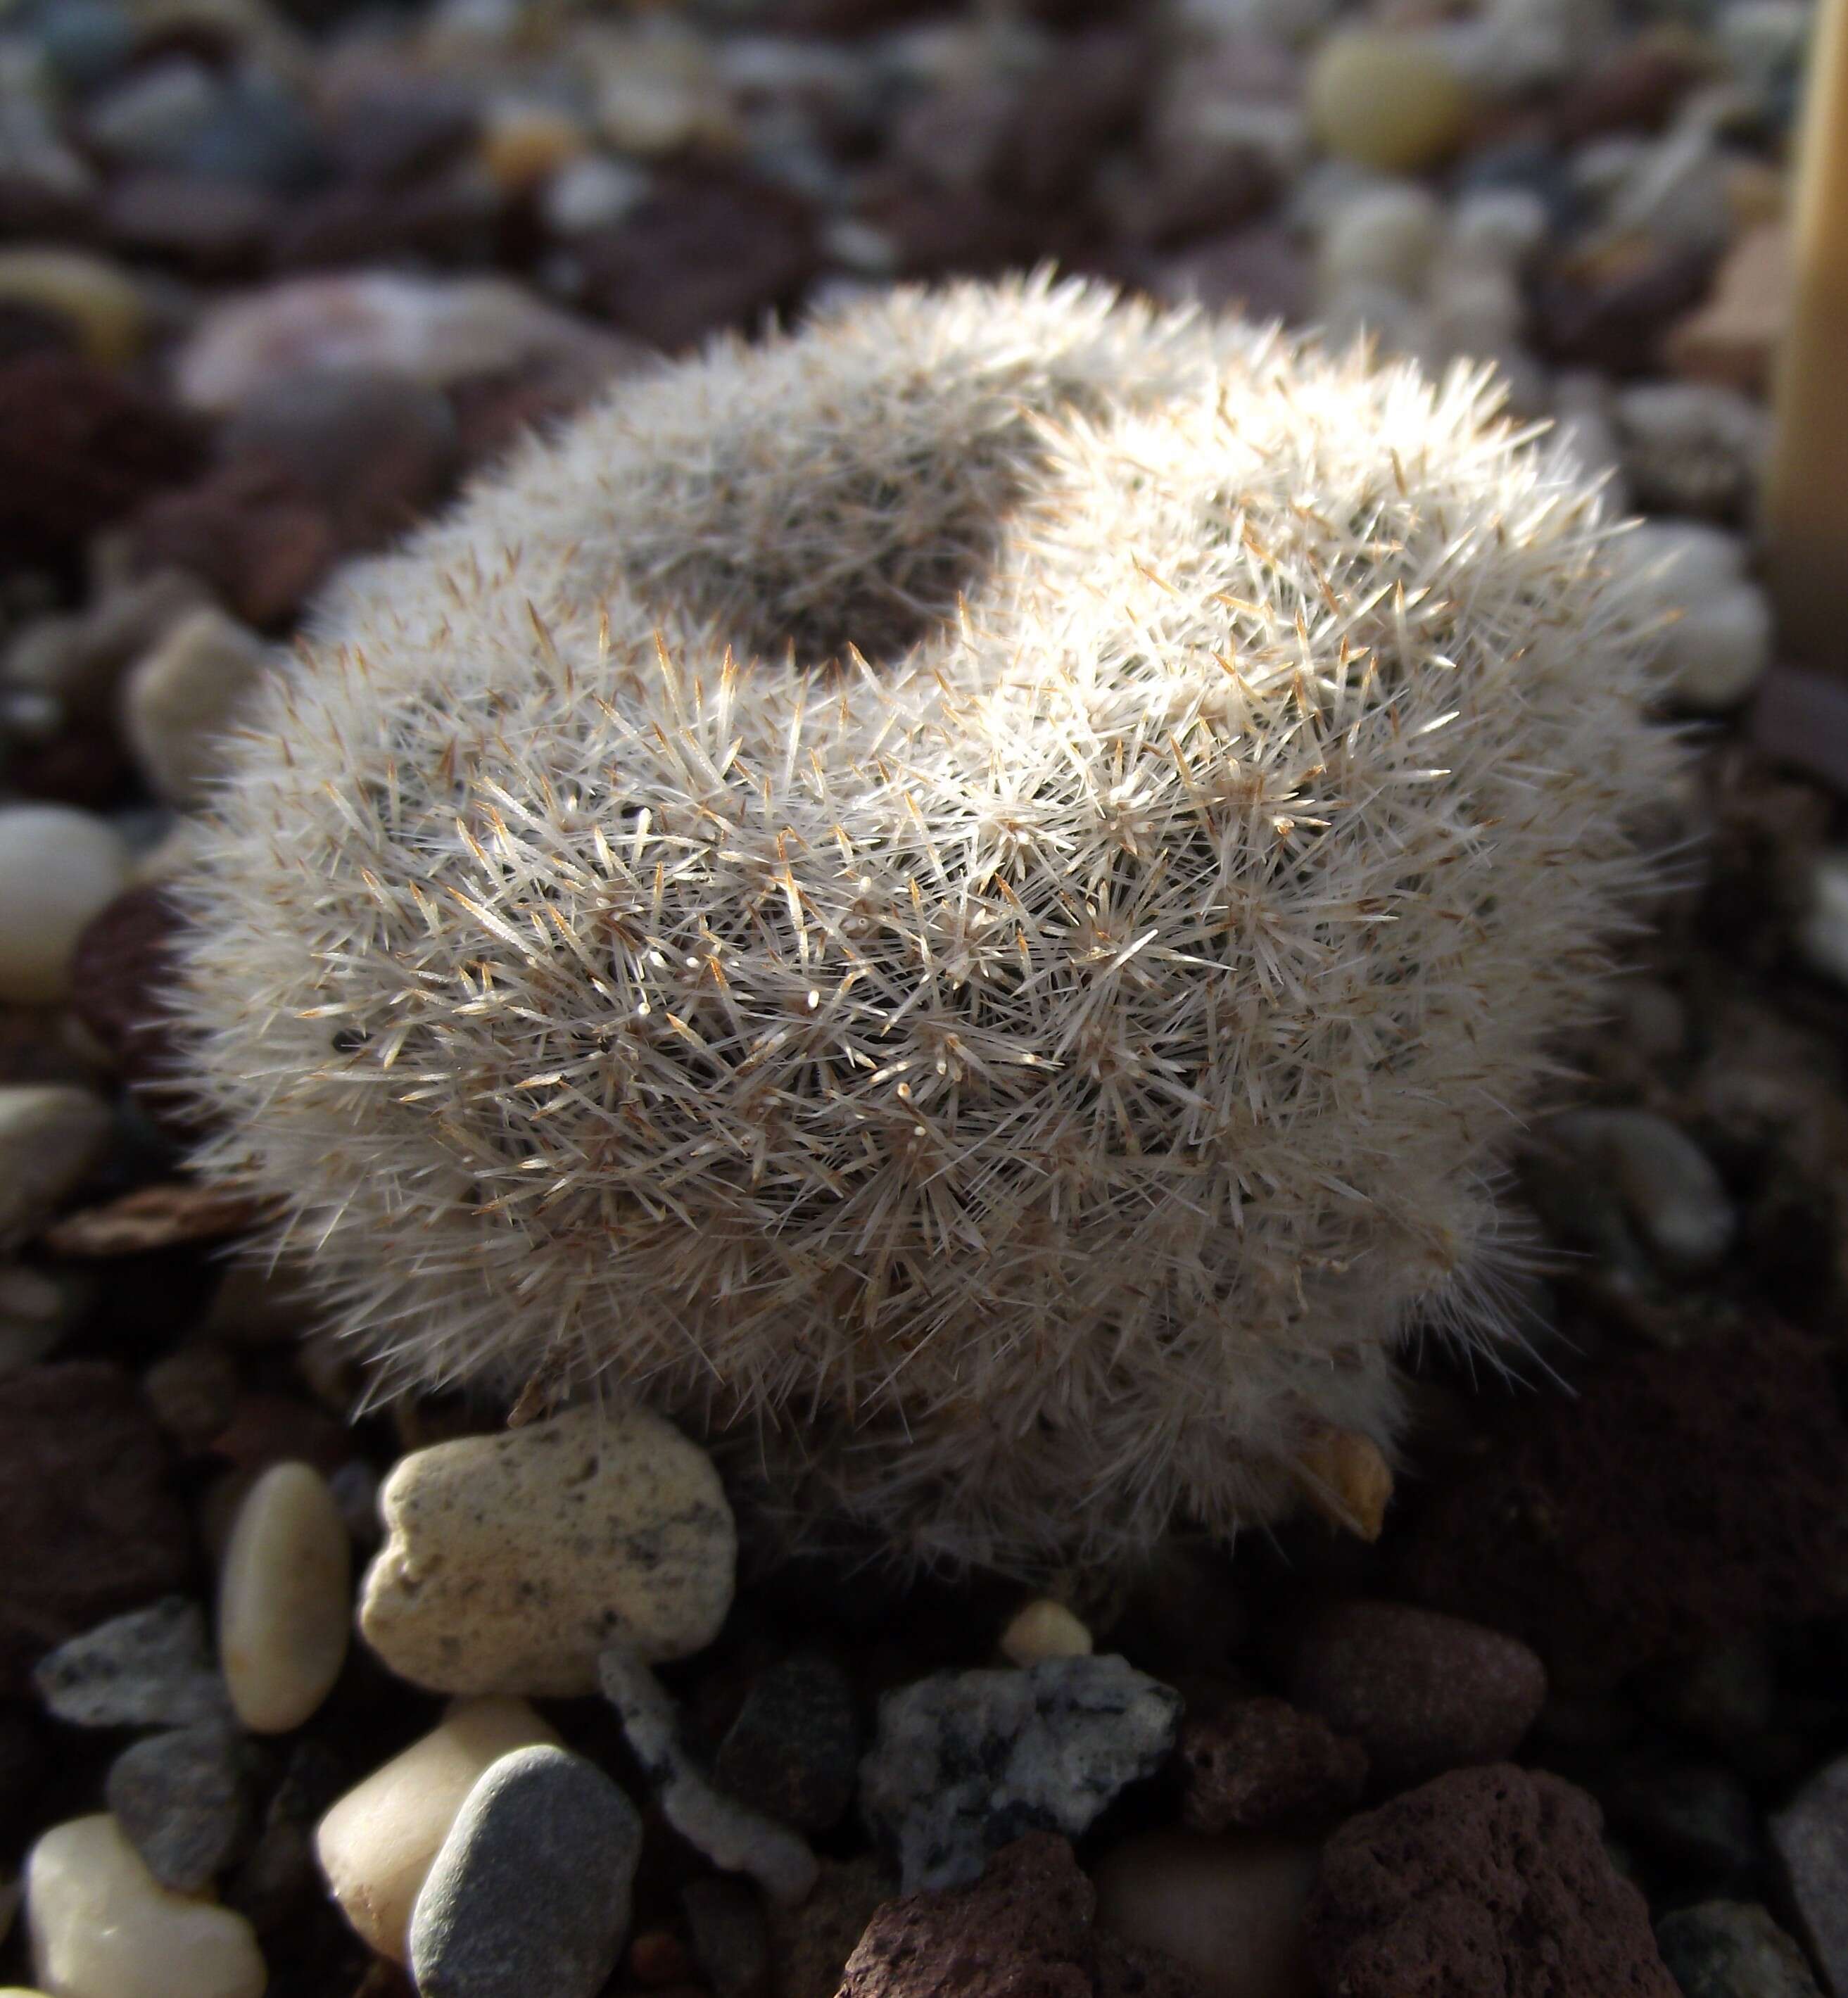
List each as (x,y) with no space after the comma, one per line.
(970,897)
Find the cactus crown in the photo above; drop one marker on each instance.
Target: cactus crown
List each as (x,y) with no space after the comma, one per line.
(967,897)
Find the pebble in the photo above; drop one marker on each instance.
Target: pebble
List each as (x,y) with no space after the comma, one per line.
(1810,1838)
(1420,1692)
(809,1945)
(250,532)
(527,145)
(58,867)
(1230,1909)
(435,330)
(1822,936)
(1732,1949)
(592,193)
(35,1312)
(1260,1765)
(530,1892)
(149,1669)
(98,298)
(793,1752)
(1695,1818)
(729,1935)
(1045,1629)
(193,1393)
(1732,339)
(1715,641)
(1505,226)
(1386,234)
(733,1837)
(377,1843)
(102,1926)
(79,1425)
(1668,1186)
(1387,99)
(285,1599)
(1029,1926)
(79,658)
(1691,447)
(959,1755)
(150,117)
(183,695)
(51,1136)
(1483,1879)
(511,1561)
(182,1799)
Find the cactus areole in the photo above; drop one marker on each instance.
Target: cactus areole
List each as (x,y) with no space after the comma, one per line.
(966,898)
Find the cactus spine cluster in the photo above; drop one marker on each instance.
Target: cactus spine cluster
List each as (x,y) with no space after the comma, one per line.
(968,898)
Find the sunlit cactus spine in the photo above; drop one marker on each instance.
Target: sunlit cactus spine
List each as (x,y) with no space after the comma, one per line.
(967,900)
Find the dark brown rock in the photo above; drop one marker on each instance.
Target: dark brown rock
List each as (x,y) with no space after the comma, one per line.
(458,220)
(699,257)
(89,1527)
(1087,95)
(1483,1881)
(1420,1692)
(1261,1764)
(1676,1497)
(253,533)
(207,226)
(1023,1931)
(123,966)
(1636,90)
(79,448)
(1616,317)
(402,130)
(793,1751)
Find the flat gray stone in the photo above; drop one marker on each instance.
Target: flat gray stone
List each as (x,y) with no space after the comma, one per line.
(151,1668)
(966,1762)
(183,1801)
(1732,1949)
(530,1891)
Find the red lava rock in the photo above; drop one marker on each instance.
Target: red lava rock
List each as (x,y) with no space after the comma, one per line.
(1617,321)
(249,531)
(124,959)
(1261,1764)
(1422,1692)
(1678,1497)
(89,1527)
(1023,1931)
(78,449)
(699,257)
(1482,1881)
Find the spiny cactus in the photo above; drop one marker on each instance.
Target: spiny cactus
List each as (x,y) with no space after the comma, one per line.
(968,898)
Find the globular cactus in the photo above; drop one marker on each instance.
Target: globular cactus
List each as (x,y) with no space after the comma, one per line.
(968,899)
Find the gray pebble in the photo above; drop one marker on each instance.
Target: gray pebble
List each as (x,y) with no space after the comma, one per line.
(793,1751)
(1732,1949)
(1810,1836)
(530,1891)
(966,1761)
(151,1668)
(730,1935)
(183,1800)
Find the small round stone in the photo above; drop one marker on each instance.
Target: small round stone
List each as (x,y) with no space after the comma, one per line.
(1388,234)
(285,1603)
(1387,100)
(58,867)
(1045,1629)
(100,298)
(377,1843)
(530,1892)
(183,695)
(182,1799)
(50,1137)
(512,1560)
(102,1926)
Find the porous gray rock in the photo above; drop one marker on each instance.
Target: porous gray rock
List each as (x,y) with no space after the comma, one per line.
(530,1892)
(149,1669)
(965,1762)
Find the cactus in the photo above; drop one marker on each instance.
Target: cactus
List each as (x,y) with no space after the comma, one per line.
(967,900)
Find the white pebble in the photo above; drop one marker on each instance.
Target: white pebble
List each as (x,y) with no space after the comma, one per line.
(591,192)
(378,1842)
(178,701)
(102,1926)
(1715,639)
(1823,936)
(58,867)
(1666,1183)
(1384,235)
(1045,1629)
(50,1135)
(285,1599)
(511,1561)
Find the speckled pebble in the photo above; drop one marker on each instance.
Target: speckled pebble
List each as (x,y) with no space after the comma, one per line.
(58,867)
(530,1891)
(102,1926)
(151,1668)
(285,1599)
(511,1561)
(960,1756)
(377,1843)
(183,1801)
